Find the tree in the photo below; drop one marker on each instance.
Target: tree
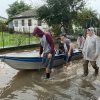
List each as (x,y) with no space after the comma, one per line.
(87,18)
(16,8)
(60,12)
(3,26)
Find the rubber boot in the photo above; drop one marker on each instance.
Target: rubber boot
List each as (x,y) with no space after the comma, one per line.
(96,71)
(47,75)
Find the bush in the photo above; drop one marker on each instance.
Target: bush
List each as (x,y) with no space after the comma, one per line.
(11,31)
(56,29)
(2,26)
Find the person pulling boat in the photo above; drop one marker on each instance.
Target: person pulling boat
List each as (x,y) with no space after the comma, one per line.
(65,46)
(47,48)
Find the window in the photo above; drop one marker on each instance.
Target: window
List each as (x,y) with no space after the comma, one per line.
(16,23)
(39,22)
(29,22)
(22,22)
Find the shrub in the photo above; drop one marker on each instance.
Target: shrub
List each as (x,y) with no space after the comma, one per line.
(11,31)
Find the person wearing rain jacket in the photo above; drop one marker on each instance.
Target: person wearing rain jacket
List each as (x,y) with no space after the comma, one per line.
(90,51)
(98,59)
(47,48)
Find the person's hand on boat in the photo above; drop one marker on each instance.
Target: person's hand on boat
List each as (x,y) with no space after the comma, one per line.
(49,55)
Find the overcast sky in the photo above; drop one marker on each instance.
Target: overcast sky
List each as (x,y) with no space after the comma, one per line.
(4,4)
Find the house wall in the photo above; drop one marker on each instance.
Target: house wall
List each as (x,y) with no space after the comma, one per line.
(10,25)
(26,28)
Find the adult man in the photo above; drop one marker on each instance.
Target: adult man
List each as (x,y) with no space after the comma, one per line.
(47,48)
(90,51)
(65,46)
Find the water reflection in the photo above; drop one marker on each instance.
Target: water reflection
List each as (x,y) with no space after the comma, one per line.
(87,90)
(64,85)
(22,80)
(25,81)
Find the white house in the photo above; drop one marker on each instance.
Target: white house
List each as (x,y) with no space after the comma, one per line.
(26,22)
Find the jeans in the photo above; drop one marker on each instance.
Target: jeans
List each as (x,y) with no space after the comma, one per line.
(46,61)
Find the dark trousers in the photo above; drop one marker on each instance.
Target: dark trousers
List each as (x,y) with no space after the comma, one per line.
(85,66)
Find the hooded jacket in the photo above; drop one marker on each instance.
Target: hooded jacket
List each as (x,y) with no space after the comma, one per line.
(46,41)
(91,48)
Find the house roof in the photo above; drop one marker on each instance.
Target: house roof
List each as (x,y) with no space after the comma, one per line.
(3,18)
(26,14)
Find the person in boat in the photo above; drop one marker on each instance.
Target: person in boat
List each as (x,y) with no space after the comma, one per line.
(47,48)
(65,46)
(90,51)
(80,41)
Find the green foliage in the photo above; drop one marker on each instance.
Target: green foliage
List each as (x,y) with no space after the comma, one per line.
(78,31)
(2,26)
(60,12)
(56,30)
(87,18)
(16,8)
(10,30)
(16,39)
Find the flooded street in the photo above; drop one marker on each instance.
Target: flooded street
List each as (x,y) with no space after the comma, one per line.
(66,84)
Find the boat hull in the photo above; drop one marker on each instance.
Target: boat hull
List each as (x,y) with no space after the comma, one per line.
(27,63)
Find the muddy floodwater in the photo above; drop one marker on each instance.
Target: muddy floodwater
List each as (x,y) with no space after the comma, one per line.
(65,84)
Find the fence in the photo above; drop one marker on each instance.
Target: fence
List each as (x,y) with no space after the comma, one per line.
(16,39)
(21,39)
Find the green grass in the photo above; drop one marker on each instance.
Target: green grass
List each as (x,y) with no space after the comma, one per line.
(9,40)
